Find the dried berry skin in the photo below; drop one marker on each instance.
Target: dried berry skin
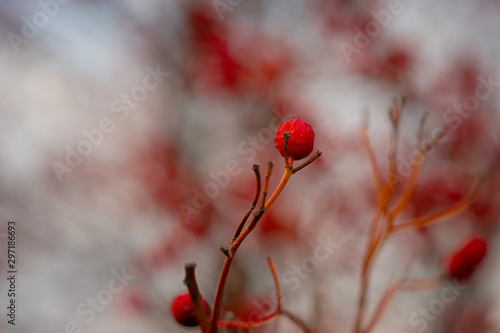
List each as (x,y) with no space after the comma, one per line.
(463,262)
(182,309)
(300,141)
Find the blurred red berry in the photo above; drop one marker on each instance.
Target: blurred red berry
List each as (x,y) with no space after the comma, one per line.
(182,309)
(300,140)
(462,262)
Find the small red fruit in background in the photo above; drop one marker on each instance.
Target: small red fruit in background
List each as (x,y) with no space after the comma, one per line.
(300,140)
(182,309)
(462,262)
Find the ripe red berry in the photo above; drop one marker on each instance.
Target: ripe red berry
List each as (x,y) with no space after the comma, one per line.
(300,140)
(462,262)
(182,309)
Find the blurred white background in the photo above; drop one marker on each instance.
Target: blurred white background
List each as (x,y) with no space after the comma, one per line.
(116,115)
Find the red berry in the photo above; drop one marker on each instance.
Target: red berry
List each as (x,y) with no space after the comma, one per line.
(300,140)
(462,263)
(182,309)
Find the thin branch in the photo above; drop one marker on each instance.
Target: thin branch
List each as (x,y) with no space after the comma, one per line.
(385,300)
(374,227)
(445,214)
(383,304)
(194,292)
(365,141)
(219,294)
(276,279)
(225,251)
(254,323)
(392,289)
(309,161)
(270,166)
(408,190)
(256,170)
(284,180)
(297,321)
(394,115)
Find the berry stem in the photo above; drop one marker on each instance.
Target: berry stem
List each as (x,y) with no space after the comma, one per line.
(194,292)
(284,180)
(219,295)
(241,233)
(286,137)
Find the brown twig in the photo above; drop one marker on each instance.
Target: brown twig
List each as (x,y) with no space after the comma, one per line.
(274,272)
(365,141)
(219,294)
(394,115)
(270,166)
(385,300)
(382,225)
(242,234)
(194,292)
(256,170)
(440,216)
(406,194)
(260,321)
(309,161)
(296,320)
(383,304)
(286,136)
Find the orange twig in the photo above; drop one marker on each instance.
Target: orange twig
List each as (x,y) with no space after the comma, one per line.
(365,141)
(447,213)
(276,279)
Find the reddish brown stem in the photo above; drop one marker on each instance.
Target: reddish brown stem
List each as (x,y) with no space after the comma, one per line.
(297,321)
(270,167)
(309,161)
(365,141)
(276,279)
(194,292)
(256,170)
(219,295)
(445,214)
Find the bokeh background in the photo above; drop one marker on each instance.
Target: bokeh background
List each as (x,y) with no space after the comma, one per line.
(129,129)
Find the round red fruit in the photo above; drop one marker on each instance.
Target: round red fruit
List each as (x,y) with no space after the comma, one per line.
(182,309)
(300,138)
